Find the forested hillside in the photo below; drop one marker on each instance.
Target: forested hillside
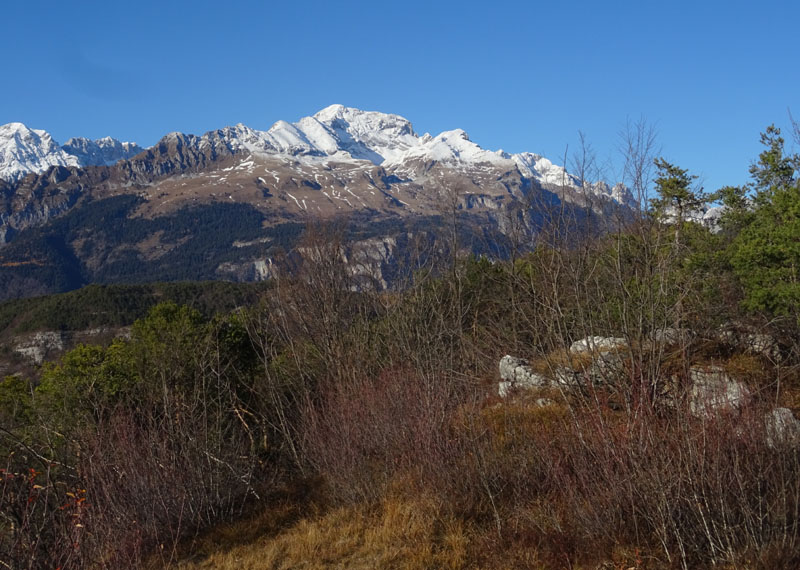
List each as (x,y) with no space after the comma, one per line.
(645,418)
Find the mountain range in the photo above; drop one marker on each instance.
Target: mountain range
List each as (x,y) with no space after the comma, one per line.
(217,205)
(24,150)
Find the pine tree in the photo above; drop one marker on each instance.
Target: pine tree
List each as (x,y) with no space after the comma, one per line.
(766,253)
(674,186)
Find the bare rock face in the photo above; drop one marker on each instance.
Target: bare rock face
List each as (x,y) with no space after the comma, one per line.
(673,336)
(516,374)
(782,428)
(105,151)
(38,346)
(606,368)
(712,390)
(597,344)
(248,270)
(45,346)
(751,342)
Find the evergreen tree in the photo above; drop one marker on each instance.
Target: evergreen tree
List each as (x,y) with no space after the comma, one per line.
(766,253)
(774,170)
(675,194)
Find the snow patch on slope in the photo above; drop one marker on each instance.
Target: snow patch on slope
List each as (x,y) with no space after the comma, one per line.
(542,170)
(453,147)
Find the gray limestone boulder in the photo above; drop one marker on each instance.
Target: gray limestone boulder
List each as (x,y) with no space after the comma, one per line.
(751,342)
(712,390)
(597,344)
(672,335)
(566,377)
(606,368)
(516,374)
(782,428)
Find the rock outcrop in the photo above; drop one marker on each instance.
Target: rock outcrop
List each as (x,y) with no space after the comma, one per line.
(782,428)
(516,374)
(712,390)
(750,342)
(597,344)
(38,346)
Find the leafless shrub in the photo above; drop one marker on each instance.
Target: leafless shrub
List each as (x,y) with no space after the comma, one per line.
(364,433)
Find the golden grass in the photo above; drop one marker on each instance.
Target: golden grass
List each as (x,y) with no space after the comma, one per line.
(396,534)
(561,358)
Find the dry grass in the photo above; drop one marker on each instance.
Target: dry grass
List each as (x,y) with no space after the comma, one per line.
(397,533)
(562,358)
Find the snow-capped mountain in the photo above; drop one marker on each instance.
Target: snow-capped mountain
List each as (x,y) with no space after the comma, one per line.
(339,133)
(339,159)
(24,150)
(336,133)
(348,135)
(105,151)
(221,204)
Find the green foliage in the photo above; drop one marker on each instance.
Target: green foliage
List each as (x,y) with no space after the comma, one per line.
(16,403)
(766,252)
(737,213)
(674,186)
(86,386)
(120,305)
(774,168)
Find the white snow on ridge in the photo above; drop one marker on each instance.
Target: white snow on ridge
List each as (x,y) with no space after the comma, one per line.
(104,151)
(389,140)
(369,134)
(453,147)
(24,150)
(336,133)
(541,169)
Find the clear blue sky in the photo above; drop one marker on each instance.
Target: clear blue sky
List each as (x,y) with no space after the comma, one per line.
(515,75)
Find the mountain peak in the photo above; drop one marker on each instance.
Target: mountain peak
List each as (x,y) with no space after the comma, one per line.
(14,127)
(104,151)
(21,132)
(333,111)
(24,150)
(345,134)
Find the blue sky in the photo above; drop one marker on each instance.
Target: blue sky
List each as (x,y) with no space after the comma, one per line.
(522,76)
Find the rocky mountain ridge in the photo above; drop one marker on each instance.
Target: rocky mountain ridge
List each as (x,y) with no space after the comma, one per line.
(336,133)
(24,151)
(340,158)
(182,208)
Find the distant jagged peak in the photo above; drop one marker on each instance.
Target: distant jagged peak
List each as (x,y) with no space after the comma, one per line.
(453,147)
(103,151)
(335,133)
(542,169)
(365,121)
(24,150)
(365,135)
(17,128)
(21,135)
